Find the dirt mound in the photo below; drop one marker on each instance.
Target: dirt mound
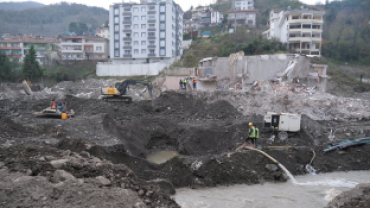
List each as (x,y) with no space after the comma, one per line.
(81,168)
(356,197)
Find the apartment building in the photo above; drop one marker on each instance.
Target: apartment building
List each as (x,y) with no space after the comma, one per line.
(17,47)
(300,29)
(103,32)
(147,32)
(237,5)
(84,48)
(243,17)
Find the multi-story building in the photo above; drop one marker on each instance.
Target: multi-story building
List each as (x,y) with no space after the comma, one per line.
(145,32)
(17,47)
(242,5)
(84,48)
(103,32)
(216,18)
(300,29)
(243,17)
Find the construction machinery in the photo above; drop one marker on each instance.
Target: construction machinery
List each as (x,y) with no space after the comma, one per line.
(49,112)
(282,123)
(120,90)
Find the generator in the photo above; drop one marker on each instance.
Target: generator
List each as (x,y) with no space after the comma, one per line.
(283,123)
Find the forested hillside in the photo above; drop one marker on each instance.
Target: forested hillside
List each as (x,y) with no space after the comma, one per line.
(50,20)
(18,6)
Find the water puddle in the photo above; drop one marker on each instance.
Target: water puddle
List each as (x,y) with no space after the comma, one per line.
(311,191)
(161,156)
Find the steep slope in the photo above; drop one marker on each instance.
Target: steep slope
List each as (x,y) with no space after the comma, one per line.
(50,20)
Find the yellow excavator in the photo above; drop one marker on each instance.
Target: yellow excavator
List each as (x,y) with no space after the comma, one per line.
(120,90)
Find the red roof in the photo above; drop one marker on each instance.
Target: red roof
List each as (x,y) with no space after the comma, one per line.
(18,48)
(29,39)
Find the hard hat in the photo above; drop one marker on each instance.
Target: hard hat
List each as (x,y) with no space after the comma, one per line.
(250,124)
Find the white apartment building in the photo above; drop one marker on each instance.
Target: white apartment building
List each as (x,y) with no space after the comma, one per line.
(84,48)
(300,29)
(243,17)
(102,32)
(147,32)
(242,5)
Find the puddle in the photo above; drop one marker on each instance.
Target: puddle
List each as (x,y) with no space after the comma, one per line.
(161,156)
(311,191)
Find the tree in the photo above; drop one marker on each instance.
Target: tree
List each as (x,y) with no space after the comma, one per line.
(31,68)
(73,27)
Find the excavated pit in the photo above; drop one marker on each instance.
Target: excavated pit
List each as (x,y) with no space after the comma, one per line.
(204,132)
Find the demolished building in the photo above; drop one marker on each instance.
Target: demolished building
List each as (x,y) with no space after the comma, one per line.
(279,72)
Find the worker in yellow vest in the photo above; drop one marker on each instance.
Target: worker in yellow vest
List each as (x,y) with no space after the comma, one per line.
(251,135)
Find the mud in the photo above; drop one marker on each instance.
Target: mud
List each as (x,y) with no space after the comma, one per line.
(204,129)
(356,197)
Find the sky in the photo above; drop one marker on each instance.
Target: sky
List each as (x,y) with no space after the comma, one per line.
(185,4)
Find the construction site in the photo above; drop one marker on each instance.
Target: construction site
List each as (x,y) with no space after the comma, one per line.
(156,144)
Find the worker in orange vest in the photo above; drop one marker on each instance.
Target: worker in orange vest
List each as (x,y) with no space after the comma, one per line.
(53,104)
(194,83)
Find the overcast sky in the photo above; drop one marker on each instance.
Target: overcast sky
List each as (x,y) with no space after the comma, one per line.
(185,4)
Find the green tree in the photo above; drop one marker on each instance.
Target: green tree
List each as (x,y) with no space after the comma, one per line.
(73,27)
(31,68)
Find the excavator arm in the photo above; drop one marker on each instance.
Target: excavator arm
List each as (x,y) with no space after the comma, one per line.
(119,92)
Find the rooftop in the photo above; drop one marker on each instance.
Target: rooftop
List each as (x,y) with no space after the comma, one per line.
(29,39)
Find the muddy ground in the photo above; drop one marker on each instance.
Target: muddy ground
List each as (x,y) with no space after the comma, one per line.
(356,197)
(121,135)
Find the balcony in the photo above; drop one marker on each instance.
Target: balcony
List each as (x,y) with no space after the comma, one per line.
(72,51)
(126,30)
(151,46)
(151,12)
(126,13)
(89,51)
(151,29)
(151,21)
(127,55)
(71,43)
(126,38)
(304,39)
(151,37)
(305,30)
(127,47)
(151,54)
(126,21)
(318,21)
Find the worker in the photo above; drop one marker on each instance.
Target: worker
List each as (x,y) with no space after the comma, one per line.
(257,133)
(53,105)
(194,83)
(185,83)
(60,106)
(181,84)
(251,135)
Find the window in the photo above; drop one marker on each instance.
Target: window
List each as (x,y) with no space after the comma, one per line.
(162,8)
(173,52)
(136,35)
(136,51)
(143,9)
(250,22)
(127,52)
(250,15)
(162,26)
(162,34)
(116,44)
(116,11)
(116,36)
(151,17)
(136,9)
(151,51)
(128,35)
(237,3)
(143,43)
(136,43)
(143,34)
(213,14)
(99,48)
(127,43)
(151,8)
(127,26)
(162,43)
(136,26)
(162,17)
(152,26)
(151,42)
(116,20)
(16,45)
(143,51)
(136,18)
(151,34)
(116,28)
(143,26)
(244,3)
(143,17)
(162,52)
(173,44)
(126,18)
(116,53)
(4,45)
(127,9)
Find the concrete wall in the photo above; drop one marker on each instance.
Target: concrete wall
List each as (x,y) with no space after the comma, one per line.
(186,44)
(179,71)
(117,69)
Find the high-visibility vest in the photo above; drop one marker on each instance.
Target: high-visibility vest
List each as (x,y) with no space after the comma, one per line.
(53,106)
(257,133)
(252,132)
(194,81)
(185,81)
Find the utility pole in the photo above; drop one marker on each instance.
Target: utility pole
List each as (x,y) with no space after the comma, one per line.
(235,19)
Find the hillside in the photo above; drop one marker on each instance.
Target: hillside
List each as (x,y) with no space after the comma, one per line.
(50,20)
(19,6)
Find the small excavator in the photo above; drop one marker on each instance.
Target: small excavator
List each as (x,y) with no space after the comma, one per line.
(119,92)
